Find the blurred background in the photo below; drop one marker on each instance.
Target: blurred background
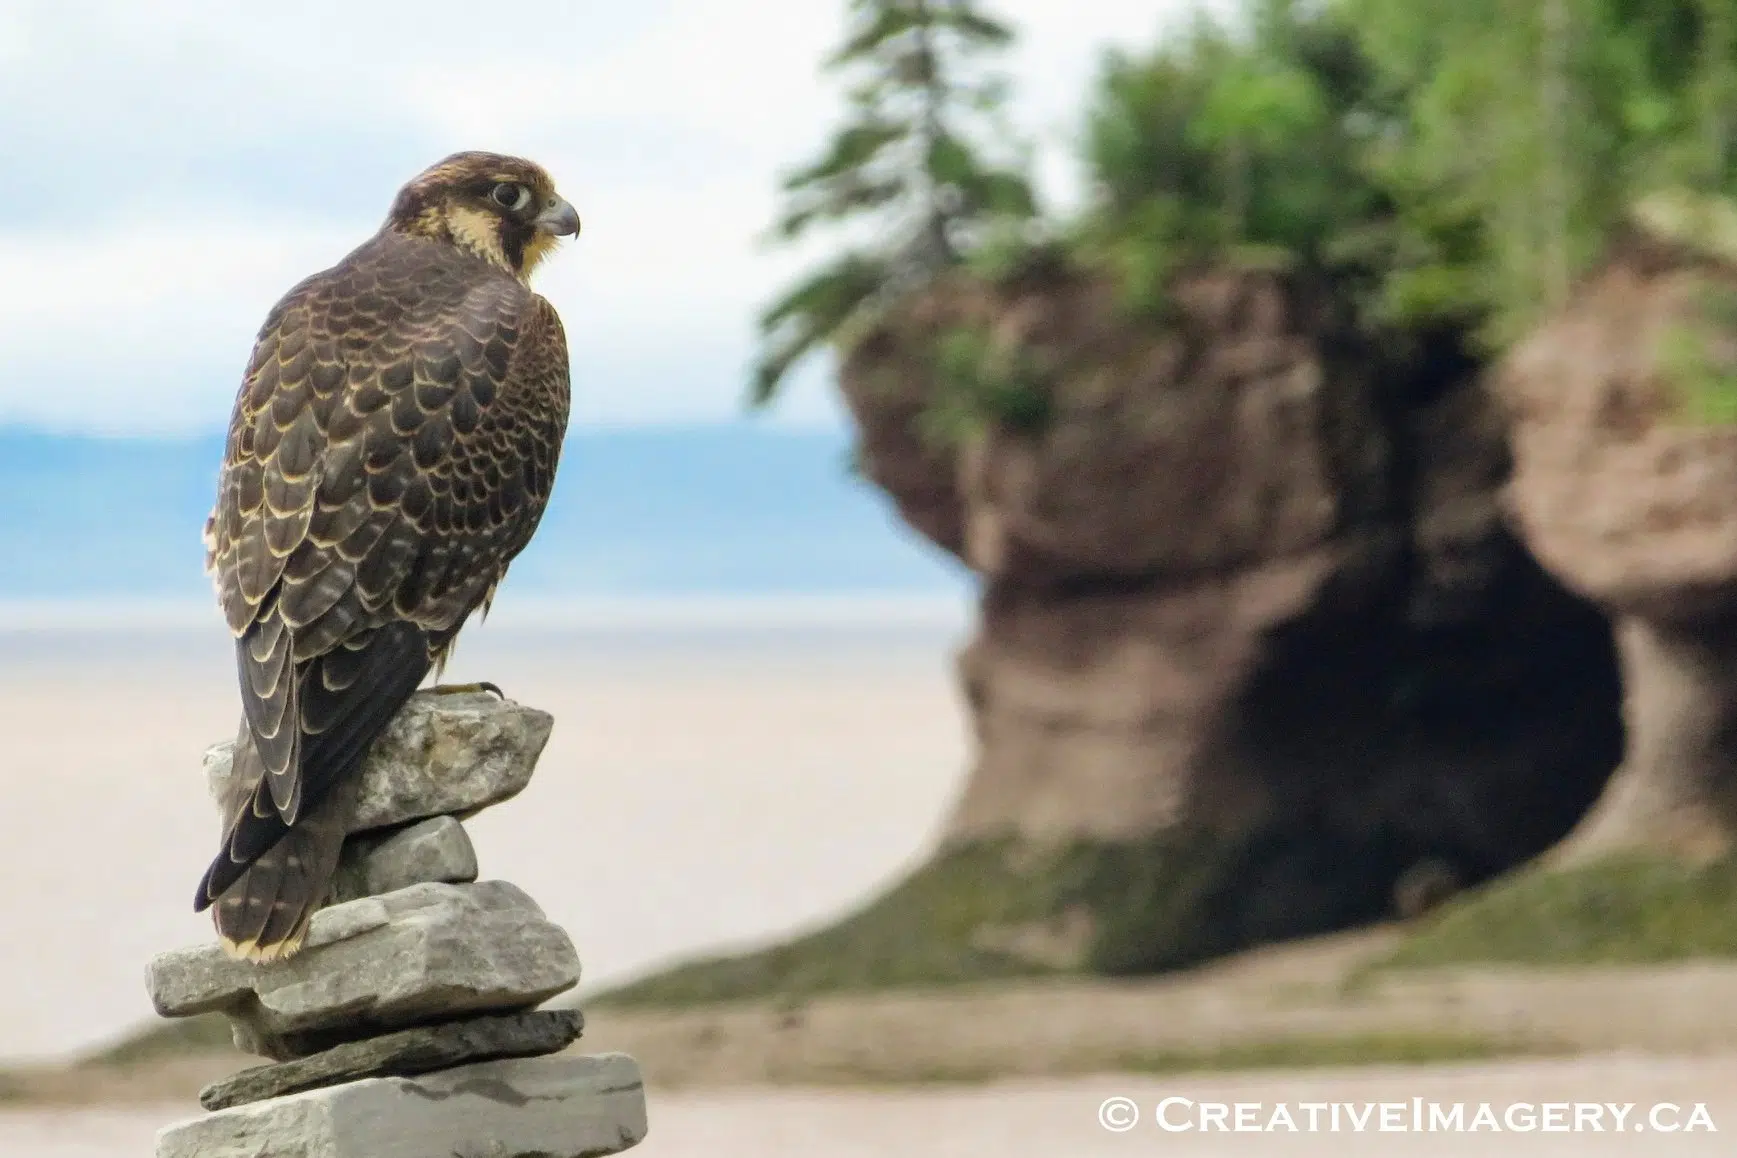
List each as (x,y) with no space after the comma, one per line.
(1104,548)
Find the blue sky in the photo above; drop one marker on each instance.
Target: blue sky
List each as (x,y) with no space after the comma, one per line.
(173,167)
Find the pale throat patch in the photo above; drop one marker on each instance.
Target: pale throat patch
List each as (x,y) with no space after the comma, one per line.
(539,247)
(478,232)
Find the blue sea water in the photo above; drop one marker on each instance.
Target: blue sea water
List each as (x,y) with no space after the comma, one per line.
(729,510)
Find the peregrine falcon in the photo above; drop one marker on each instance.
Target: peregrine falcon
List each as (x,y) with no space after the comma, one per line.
(392,448)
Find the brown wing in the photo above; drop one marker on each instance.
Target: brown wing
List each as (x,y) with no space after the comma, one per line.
(392,449)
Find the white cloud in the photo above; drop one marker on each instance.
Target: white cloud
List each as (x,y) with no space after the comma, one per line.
(14,36)
(148,321)
(224,151)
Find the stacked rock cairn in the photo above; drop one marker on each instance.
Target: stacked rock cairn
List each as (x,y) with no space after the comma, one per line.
(407,1026)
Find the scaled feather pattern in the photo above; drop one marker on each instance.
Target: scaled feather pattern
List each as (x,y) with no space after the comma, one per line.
(391,450)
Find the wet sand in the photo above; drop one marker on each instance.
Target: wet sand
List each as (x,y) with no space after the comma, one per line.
(703,785)
(1059,1119)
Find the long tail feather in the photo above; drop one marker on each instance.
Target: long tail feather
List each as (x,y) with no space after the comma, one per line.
(273,871)
(261,909)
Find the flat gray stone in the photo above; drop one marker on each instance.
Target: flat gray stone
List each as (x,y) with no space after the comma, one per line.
(404,1054)
(566,1106)
(441,755)
(431,952)
(437,849)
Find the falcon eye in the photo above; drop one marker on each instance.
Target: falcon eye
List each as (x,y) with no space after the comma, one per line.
(509,195)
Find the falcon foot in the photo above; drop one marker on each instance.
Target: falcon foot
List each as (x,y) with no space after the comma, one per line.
(467,689)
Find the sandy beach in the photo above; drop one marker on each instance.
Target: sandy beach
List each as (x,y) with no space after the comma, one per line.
(703,786)
(1059,1119)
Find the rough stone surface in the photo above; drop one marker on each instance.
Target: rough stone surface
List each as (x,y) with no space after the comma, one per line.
(437,849)
(885,390)
(429,952)
(442,755)
(1247,573)
(1229,578)
(404,1054)
(1619,492)
(1676,790)
(1269,445)
(550,1107)
(1629,496)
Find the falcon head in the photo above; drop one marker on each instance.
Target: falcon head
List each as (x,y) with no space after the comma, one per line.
(502,209)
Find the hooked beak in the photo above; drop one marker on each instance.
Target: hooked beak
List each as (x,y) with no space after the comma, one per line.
(558,219)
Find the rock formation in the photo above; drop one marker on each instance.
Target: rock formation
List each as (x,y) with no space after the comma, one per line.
(407,1025)
(1629,497)
(1252,622)
(1257,654)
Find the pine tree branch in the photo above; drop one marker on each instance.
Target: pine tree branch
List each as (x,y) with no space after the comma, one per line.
(811,311)
(899,161)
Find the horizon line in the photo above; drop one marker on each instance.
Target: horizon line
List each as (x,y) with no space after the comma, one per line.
(770,423)
(938,609)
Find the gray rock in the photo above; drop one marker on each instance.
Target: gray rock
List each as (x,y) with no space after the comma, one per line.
(441,755)
(550,1107)
(431,952)
(428,850)
(403,1054)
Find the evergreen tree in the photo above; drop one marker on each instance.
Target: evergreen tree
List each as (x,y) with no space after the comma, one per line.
(1530,128)
(1247,140)
(1470,157)
(910,159)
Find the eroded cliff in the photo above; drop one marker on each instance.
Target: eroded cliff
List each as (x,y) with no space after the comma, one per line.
(1249,602)
(1257,655)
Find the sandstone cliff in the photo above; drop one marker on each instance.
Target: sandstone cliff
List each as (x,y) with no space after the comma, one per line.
(1257,655)
(1250,607)
(1626,487)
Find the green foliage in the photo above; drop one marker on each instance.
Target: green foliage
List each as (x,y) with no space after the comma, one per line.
(844,182)
(1706,381)
(1453,162)
(1628,910)
(980,382)
(1140,250)
(910,164)
(1220,142)
(1528,131)
(818,306)
(1010,251)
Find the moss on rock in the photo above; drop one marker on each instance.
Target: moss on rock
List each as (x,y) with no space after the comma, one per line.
(1191,895)
(925,930)
(1626,910)
(999,909)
